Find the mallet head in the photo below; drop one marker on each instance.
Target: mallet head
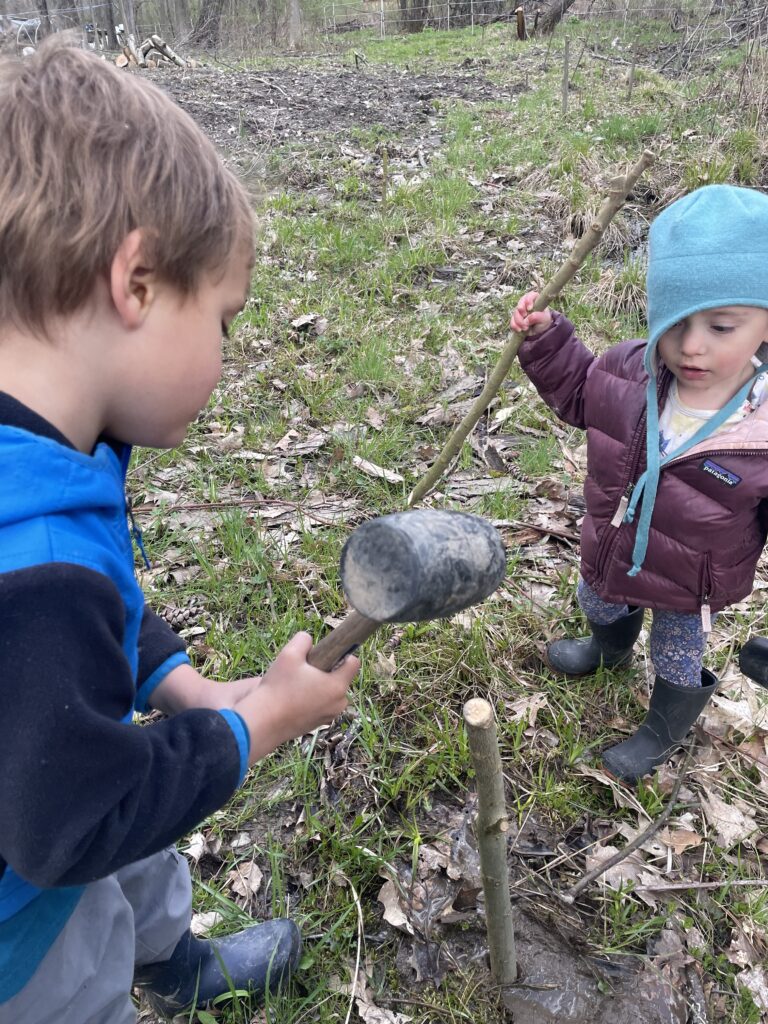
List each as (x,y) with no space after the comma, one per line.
(422,564)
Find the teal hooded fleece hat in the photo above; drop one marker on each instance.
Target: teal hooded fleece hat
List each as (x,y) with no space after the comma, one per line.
(706,250)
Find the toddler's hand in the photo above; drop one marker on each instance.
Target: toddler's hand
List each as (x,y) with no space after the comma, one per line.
(525,322)
(293,697)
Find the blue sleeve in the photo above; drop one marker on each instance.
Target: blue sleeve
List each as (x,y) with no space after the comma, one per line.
(243,737)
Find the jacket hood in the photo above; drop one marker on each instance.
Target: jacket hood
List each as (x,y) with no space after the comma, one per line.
(41,476)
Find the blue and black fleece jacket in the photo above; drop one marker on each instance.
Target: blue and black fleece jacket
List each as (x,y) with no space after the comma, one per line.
(83,790)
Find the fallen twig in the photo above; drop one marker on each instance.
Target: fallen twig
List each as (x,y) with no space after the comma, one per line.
(672,886)
(570,895)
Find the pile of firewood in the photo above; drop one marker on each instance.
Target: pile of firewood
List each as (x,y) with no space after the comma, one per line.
(153,52)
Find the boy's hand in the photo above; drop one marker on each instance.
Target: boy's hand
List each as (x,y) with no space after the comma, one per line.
(525,322)
(294,698)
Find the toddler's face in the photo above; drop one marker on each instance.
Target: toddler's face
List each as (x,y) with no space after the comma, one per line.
(175,361)
(710,352)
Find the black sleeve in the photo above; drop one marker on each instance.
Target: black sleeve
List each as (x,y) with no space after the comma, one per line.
(157,643)
(81,792)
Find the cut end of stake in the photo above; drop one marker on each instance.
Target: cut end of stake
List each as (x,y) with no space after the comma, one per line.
(478,713)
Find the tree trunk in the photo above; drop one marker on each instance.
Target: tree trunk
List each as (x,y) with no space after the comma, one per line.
(294,23)
(45,17)
(182,19)
(552,17)
(128,9)
(104,11)
(207,28)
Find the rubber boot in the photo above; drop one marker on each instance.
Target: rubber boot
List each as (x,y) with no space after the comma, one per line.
(753,660)
(198,970)
(672,712)
(609,645)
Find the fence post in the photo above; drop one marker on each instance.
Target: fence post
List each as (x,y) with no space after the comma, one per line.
(472,15)
(565,75)
(333,15)
(448,10)
(381,18)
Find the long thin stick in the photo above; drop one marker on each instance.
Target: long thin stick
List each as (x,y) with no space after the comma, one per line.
(619,189)
(492,828)
(653,828)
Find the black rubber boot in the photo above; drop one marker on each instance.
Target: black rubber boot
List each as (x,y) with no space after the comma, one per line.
(257,959)
(753,660)
(609,645)
(672,712)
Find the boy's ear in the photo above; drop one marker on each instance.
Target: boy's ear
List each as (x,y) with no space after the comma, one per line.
(132,283)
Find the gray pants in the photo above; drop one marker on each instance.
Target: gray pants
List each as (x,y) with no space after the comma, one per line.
(133,917)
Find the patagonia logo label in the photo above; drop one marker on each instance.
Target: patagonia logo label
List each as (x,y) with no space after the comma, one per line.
(725,476)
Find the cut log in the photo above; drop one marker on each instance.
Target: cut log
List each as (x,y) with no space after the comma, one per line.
(136,54)
(165,49)
(121,60)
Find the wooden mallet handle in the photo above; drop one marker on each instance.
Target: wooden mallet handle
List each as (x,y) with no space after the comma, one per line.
(341,641)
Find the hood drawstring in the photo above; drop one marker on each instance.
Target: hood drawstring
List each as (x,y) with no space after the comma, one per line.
(648,483)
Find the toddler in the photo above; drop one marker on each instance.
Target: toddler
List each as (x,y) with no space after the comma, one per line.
(677,456)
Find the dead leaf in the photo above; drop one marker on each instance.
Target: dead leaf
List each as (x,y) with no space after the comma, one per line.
(201,924)
(621,795)
(741,951)
(526,707)
(632,868)
(374,417)
(371,469)
(393,911)
(731,824)
(680,839)
(755,980)
(246,879)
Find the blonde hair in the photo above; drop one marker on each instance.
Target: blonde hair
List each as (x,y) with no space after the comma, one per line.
(88,154)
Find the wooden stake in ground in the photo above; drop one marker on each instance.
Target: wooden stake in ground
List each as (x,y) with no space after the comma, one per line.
(491,828)
(618,191)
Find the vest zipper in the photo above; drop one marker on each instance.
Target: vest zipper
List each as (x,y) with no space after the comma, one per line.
(706,587)
(618,515)
(607,541)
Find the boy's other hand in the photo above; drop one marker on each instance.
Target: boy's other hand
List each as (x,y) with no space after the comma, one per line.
(525,322)
(294,698)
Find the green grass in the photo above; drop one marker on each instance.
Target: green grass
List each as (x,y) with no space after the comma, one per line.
(416,286)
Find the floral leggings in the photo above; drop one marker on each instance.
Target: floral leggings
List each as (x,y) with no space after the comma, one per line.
(677,639)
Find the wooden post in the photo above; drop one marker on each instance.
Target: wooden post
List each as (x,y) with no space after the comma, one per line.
(381,18)
(472,15)
(631,82)
(491,828)
(566,52)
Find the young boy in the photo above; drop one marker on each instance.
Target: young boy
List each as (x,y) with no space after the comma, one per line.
(125,251)
(677,456)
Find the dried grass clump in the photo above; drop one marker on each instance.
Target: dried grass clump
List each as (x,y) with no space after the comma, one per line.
(620,292)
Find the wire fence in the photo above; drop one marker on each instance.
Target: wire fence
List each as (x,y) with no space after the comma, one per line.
(405,16)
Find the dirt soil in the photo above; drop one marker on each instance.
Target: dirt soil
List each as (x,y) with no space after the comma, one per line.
(251,112)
